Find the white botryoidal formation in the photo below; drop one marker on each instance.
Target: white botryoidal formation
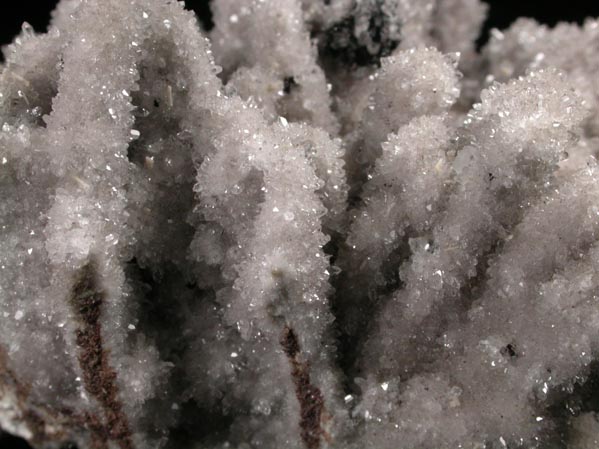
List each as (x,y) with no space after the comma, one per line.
(320,224)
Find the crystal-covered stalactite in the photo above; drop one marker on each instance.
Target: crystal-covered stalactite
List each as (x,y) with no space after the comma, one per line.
(319,224)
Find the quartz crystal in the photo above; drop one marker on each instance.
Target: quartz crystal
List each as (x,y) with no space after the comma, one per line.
(319,224)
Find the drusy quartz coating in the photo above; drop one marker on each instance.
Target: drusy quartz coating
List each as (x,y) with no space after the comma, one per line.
(320,224)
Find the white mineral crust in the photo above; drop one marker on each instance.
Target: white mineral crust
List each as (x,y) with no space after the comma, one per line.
(318,224)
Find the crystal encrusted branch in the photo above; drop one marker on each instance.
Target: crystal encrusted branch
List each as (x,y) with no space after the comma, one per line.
(319,224)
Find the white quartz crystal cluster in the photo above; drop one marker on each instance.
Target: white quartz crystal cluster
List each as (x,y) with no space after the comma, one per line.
(319,224)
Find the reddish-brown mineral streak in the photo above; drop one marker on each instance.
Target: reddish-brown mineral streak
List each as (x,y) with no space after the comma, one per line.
(98,376)
(309,397)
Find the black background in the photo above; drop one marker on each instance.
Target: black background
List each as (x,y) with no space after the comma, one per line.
(501,14)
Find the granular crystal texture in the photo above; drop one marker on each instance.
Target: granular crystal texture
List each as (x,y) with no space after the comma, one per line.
(320,224)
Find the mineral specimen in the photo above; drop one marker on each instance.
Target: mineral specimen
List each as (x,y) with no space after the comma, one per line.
(320,224)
